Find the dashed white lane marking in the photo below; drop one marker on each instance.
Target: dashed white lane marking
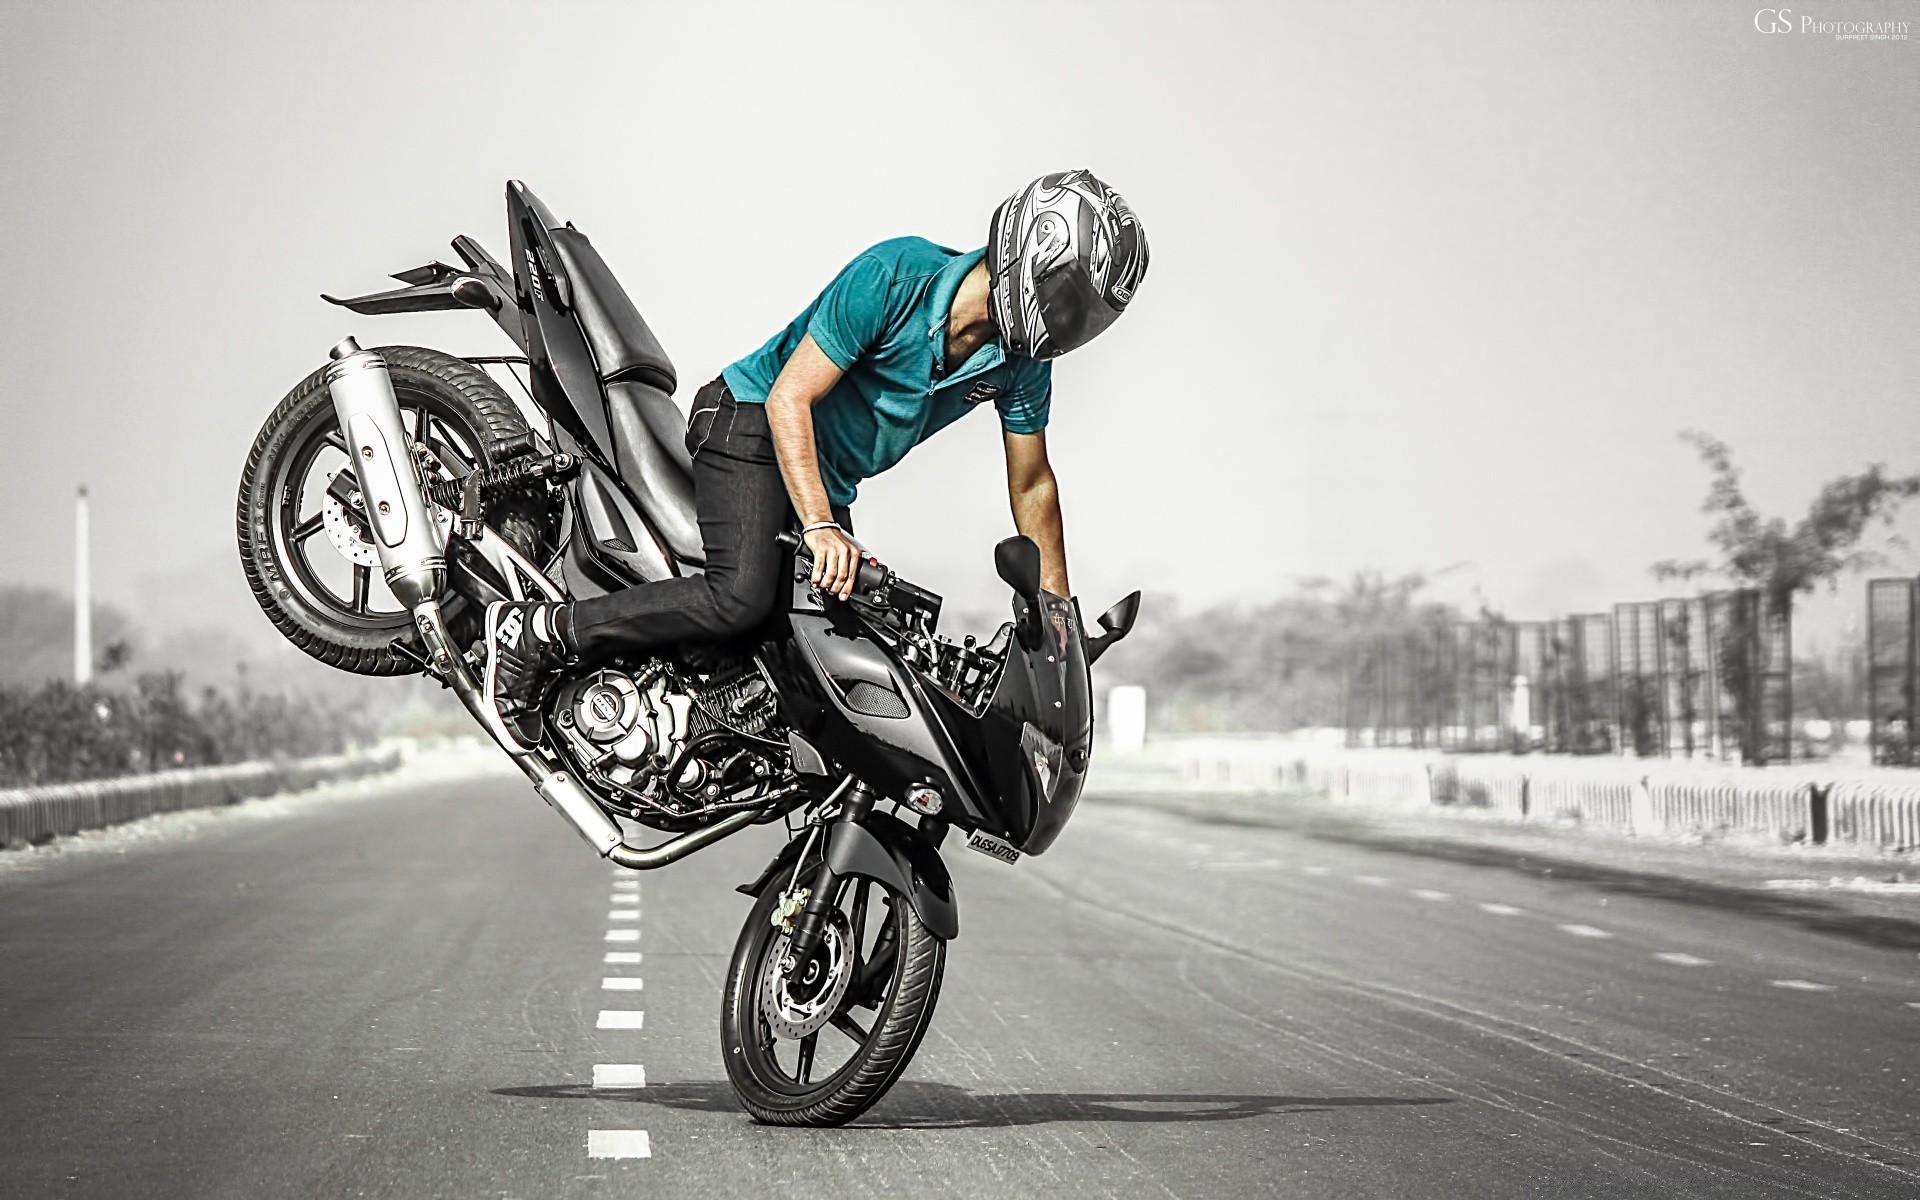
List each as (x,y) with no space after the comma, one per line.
(1801,985)
(1430,894)
(1314,870)
(1586,931)
(622,956)
(1371,880)
(619,1075)
(1682,960)
(1913,1004)
(618,1143)
(624,914)
(623,935)
(1501,910)
(627,885)
(620,983)
(621,1018)
(624,898)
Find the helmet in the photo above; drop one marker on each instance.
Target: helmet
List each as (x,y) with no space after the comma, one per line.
(1064,257)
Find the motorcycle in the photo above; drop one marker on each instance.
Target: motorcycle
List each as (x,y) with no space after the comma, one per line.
(396,492)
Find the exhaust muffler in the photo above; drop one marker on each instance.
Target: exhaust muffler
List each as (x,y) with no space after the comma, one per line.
(412,549)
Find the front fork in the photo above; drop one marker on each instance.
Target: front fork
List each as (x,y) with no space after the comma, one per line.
(812,922)
(415,565)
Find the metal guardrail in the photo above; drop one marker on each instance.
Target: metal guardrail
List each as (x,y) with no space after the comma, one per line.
(1621,794)
(35,814)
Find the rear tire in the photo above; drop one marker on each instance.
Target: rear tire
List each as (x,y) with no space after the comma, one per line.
(901,1003)
(284,547)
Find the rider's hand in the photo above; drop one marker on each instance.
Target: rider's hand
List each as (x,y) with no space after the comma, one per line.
(836,561)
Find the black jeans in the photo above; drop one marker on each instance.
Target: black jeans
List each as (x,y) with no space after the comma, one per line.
(742,503)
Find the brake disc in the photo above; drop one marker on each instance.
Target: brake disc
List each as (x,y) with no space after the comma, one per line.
(348,531)
(802,1003)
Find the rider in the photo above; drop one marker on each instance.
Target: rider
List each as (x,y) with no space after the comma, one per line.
(907,339)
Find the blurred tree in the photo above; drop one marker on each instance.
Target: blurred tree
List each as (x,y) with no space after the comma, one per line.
(1774,557)
(1777,560)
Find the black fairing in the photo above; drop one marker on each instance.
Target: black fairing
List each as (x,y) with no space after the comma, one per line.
(566,383)
(1015,770)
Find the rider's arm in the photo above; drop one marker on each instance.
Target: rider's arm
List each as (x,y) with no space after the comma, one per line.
(808,376)
(1034,495)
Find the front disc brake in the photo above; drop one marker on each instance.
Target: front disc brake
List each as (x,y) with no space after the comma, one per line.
(802,1003)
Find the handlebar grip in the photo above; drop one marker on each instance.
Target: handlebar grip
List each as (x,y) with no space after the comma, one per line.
(871,577)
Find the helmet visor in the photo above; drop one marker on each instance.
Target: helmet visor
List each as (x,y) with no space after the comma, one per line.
(1072,310)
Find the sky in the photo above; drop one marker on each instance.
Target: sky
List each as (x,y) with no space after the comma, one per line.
(1434,286)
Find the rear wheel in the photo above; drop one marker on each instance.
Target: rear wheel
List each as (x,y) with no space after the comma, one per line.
(820,1045)
(306,553)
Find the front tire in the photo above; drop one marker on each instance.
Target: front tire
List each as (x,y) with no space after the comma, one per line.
(317,581)
(894,969)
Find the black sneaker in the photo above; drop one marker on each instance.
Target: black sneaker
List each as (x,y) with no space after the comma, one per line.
(524,651)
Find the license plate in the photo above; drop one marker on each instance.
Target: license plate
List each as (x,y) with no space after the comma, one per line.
(990,845)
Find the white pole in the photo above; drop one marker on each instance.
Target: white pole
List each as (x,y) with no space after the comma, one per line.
(1127,719)
(82,594)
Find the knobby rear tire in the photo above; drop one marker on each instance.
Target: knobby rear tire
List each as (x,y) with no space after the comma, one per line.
(467,400)
(902,1021)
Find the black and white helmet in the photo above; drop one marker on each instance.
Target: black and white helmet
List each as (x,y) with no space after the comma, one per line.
(1064,256)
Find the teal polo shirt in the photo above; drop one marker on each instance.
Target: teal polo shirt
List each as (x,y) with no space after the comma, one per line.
(883,322)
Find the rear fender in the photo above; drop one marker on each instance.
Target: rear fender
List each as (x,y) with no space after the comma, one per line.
(888,850)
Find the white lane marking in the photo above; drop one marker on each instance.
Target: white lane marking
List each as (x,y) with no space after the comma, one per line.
(627,885)
(1502,910)
(624,914)
(1584,931)
(619,1075)
(1430,894)
(623,935)
(1314,870)
(621,1018)
(1683,960)
(1371,880)
(624,898)
(618,1143)
(1265,864)
(622,956)
(1913,1004)
(1801,985)
(620,983)
(1859,883)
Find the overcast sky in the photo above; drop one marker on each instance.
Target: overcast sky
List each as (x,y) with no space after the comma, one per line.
(1432,284)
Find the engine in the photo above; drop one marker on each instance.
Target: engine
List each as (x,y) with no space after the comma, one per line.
(669,752)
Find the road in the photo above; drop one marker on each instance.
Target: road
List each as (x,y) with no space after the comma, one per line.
(399,992)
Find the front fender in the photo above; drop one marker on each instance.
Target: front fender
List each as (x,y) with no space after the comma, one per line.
(886,849)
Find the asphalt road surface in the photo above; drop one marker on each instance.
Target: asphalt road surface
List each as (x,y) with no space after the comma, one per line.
(405,991)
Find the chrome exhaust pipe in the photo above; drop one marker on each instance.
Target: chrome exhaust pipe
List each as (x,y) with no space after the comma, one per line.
(414,559)
(411,549)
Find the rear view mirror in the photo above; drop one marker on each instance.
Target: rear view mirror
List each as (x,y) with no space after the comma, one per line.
(1116,621)
(1018,561)
(1119,619)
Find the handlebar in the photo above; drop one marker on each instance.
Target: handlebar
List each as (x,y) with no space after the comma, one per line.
(871,576)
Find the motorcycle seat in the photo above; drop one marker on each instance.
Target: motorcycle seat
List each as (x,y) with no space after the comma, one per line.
(622,344)
(649,432)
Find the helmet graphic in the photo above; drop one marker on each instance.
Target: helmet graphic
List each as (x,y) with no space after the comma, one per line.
(1064,257)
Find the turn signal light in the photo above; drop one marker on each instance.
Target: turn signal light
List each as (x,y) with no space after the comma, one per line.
(924,800)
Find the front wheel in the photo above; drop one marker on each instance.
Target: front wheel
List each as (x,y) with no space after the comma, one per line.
(820,1045)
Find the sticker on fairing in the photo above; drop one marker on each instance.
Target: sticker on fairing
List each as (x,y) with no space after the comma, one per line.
(992,846)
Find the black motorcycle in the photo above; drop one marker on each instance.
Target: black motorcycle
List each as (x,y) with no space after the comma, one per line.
(395,493)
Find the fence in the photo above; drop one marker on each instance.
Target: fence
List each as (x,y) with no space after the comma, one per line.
(1707,677)
(1890,670)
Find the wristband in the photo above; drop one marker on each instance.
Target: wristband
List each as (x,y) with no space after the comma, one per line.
(833,525)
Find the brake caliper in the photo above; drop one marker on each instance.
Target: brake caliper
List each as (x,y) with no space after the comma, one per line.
(789,908)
